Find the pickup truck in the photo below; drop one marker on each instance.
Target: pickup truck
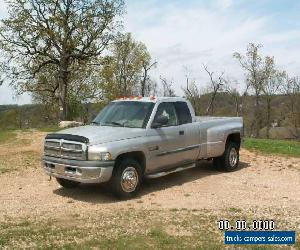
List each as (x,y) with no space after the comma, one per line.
(135,138)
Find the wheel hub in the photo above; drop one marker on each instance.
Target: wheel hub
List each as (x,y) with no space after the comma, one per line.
(233,157)
(129,179)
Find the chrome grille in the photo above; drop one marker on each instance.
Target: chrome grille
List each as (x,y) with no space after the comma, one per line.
(65,149)
(52,143)
(72,146)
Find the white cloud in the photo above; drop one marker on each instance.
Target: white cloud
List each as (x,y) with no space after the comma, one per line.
(224,4)
(3,10)
(8,96)
(179,36)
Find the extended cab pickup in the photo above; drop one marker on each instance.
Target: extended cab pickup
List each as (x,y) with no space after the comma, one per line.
(133,138)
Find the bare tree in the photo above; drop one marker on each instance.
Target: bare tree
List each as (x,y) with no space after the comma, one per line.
(193,94)
(238,92)
(167,87)
(151,88)
(231,89)
(146,83)
(215,84)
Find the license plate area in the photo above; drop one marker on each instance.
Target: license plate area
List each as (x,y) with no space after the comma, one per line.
(60,169)
(70,170)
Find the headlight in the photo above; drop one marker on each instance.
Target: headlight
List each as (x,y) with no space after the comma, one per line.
(105,156)
(98,154)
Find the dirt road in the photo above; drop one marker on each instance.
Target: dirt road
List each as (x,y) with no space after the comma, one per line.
(267,186)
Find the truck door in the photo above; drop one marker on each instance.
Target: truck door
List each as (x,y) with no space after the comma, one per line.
(191,132)
(166,144)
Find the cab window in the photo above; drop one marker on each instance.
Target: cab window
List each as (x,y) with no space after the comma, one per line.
(167,109)
(183,113)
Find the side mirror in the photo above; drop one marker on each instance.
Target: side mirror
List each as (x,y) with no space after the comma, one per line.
(160,121)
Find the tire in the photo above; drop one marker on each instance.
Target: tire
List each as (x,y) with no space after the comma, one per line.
(229,161)
(67,183)
(126,180)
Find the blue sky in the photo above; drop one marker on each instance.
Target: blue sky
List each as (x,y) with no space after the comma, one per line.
(184,35)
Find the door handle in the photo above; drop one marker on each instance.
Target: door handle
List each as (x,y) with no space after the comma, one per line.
(181,132)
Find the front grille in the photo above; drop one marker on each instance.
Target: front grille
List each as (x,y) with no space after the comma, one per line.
(65,149)
(53,143)
(72,146)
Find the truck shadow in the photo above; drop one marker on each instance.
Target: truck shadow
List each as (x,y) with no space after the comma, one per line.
(100,193)
(203,169)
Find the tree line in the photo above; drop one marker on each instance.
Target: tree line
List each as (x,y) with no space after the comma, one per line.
(72,52)
(263,81)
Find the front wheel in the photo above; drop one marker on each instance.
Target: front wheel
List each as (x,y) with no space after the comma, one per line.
(126,179)
(67,183)
(229,161)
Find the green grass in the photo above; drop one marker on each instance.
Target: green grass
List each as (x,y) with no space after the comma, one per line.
(268,146)
(7,135)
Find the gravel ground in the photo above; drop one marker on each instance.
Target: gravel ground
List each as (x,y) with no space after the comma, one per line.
(263,185)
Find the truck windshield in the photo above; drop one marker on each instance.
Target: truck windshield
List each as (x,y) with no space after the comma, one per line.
(125,114)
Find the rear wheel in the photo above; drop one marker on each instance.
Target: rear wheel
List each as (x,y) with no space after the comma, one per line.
(67,183)
(126,179)
(229,161)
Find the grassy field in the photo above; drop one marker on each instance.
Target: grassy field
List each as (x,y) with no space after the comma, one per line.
(281,147)
(6,135)
(121,230)
(128,229)
(49,129)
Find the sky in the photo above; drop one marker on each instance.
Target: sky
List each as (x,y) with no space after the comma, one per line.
(183,35)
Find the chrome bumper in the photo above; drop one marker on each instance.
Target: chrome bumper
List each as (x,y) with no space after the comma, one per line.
(80,171)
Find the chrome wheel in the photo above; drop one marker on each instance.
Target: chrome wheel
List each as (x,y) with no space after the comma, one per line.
(233,157)
(129,179)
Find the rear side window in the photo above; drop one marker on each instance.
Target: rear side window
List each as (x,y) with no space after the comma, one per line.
(183,113)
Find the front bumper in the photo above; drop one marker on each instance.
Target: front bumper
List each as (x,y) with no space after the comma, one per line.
(80,171)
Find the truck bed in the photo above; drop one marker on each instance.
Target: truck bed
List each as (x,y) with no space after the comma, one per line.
(214,118)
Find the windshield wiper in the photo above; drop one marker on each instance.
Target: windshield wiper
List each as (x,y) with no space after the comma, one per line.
(96,123)
(117,123)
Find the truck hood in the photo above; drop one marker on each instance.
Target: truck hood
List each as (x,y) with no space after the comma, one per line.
(104,134)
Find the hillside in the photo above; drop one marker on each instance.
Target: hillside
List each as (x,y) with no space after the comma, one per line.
(38,115)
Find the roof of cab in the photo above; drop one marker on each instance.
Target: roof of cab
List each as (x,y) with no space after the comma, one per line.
(153,99)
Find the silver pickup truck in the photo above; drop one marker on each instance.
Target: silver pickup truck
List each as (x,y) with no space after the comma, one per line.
(136,138)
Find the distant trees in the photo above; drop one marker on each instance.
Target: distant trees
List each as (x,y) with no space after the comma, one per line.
(291,88)
(270,89)
(266,81)
(49,43)
(193,94)
(257,99)
(257,70)
(125,71)
(215,85)
(231,87)
(167,87)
